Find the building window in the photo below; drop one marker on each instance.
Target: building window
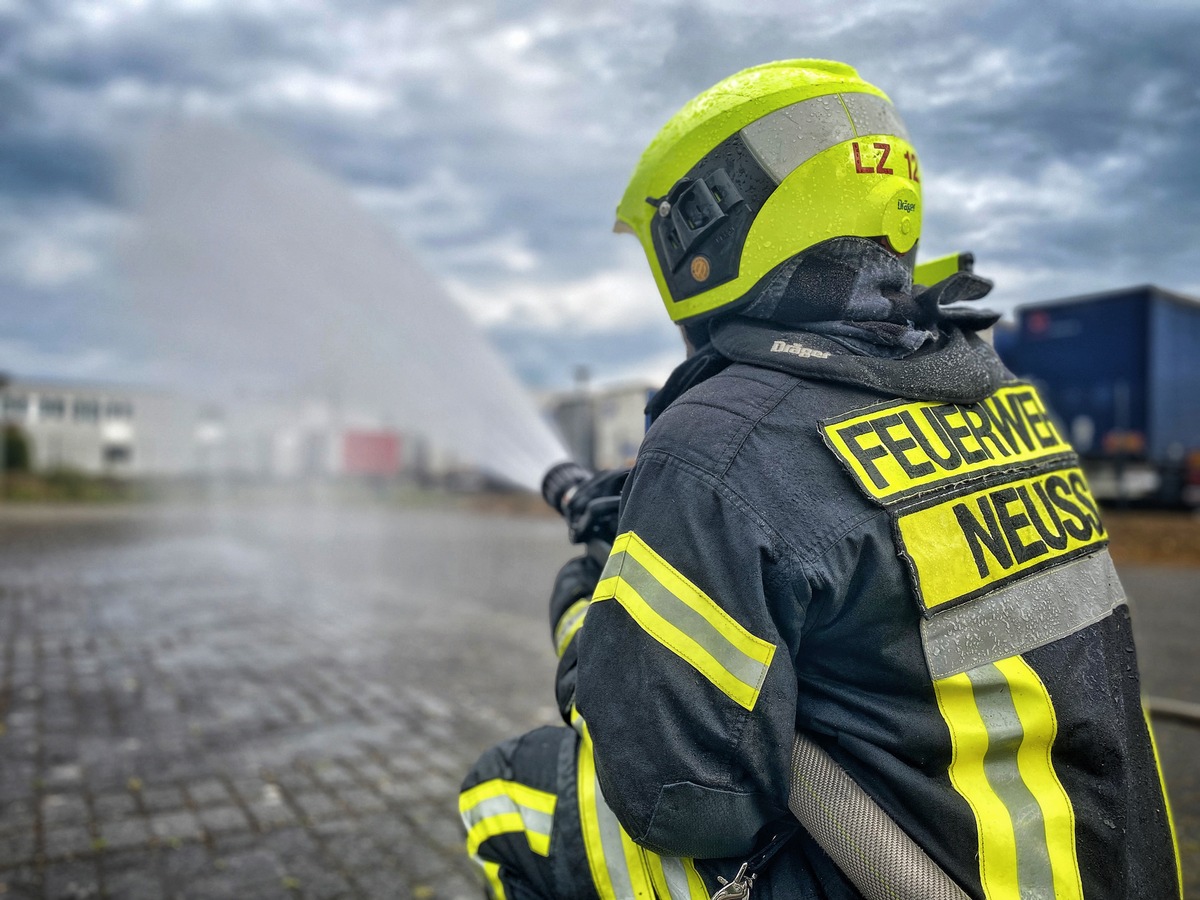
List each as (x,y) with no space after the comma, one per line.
(86,410)
(15,406)
(117,454)
(52,407)
(118,409)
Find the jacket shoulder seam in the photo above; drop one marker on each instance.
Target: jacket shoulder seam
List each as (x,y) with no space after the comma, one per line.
(718,483)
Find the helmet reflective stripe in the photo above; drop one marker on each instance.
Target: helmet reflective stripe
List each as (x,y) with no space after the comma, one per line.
(791,136)
(873,115)
(784,140)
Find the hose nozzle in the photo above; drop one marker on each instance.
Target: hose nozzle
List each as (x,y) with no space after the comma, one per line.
(560,483)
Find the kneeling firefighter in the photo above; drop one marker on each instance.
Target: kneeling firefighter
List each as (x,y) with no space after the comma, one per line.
(856,568)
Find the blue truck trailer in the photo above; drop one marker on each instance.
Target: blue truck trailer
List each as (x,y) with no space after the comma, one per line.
(1121,371)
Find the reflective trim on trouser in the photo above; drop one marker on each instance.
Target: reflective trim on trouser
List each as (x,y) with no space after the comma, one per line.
(491,874)
(515,818)
(620,869)
(1002,728)
(498,807)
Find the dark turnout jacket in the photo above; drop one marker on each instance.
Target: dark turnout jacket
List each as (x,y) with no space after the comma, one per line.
(902,559)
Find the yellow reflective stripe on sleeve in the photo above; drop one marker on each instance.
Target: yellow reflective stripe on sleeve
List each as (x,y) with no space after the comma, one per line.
(620,869)
(1162,781)
(1002,729)
(569,623)
(499,807)
(685,620)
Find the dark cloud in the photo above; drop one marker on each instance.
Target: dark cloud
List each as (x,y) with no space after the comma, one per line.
(497,137)
(54,165)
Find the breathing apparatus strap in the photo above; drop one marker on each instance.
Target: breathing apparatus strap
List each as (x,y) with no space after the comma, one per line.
(878,857)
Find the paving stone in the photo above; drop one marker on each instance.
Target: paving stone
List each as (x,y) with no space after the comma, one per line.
(253,865)
(74,880)
(134,885)
(229,843)
(166,798)
(115,805)
(294,781)
(361,800)
(213,886)
(272,815)
(318,806)
(458,886)
(383,885)
(333,775)
(120,834)
(209,792)
(184,864)
(23,882)
(356,852)
(177,826)
(70,841)
(64,809)
(66,774)
(16,847)
(390,830)
(317,883)
(17,815)
(403,790)
(223,818)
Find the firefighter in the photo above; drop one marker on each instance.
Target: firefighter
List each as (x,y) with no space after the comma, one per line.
(847,519)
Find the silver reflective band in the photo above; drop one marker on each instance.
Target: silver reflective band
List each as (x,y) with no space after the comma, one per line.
(873,115)
(678,613)
(676,877)
(1032,612)
(1005,736)
(535,821)
(784,140)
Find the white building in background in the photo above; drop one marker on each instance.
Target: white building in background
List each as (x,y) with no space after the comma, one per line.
(295,440)
(602,427)
(101,429)
(133,432)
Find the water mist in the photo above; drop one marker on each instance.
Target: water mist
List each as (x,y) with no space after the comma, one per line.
(255,272)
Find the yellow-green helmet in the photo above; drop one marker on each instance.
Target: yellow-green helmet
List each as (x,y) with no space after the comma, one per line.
(766,163)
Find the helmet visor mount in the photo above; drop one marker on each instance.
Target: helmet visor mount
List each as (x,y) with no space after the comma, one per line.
(693,210)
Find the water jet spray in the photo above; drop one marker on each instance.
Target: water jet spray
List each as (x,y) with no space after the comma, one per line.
(257,274)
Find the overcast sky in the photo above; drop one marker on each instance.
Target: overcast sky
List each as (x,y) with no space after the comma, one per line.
(1061,146)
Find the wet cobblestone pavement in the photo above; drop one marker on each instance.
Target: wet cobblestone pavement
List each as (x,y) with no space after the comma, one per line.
(281,702)
(259,706)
